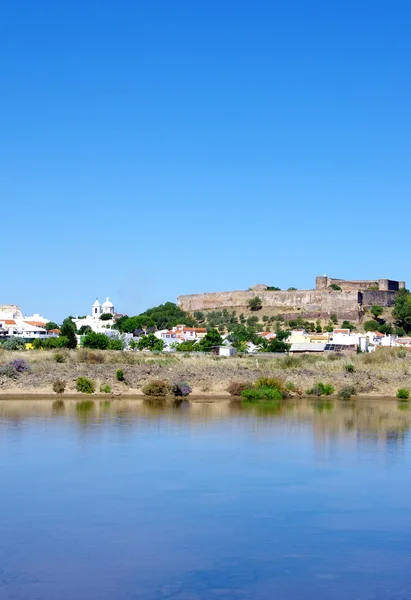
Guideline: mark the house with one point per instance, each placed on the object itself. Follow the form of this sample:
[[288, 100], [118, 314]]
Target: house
[[267, 335], [344, 339], [13, 323], [224, 350]]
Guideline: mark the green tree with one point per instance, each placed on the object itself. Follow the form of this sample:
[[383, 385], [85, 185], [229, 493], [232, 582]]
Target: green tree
[[402, 310], [84, 329], [336, 287], [150, 342], [275, 345], [333, 318], [255, 303], [273, 288], [385, 328], [97, 341], [348, 325], [188, 346], [292, 289], [371, 325], [211, 339], [51, 325], [106, 317], [68, 330], [376, 311]]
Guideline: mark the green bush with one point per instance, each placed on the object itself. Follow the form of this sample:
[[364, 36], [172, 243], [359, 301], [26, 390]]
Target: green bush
[[59, 386], [14, 343], [403, 394], [120, 375], [346, 392], [105, 388], [270, 382], [371, 325], [116, 345], [84, 385], [157, 387], [97, 341], [336, 287], [253, 394], [321, 389], [349, 368]]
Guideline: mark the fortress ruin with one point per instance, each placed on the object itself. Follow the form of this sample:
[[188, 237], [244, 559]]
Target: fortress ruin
[[344, 298]]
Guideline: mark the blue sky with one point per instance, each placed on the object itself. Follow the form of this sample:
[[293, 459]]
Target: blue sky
[[151, 149]]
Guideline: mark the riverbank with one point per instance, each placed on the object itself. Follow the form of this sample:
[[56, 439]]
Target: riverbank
[[378, 374]]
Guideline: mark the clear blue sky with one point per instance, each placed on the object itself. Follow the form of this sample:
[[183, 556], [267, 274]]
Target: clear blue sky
[[151, 149]]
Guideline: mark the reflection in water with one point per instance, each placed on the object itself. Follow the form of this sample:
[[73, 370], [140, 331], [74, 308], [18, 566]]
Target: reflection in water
[[124, 499], [370, 418]]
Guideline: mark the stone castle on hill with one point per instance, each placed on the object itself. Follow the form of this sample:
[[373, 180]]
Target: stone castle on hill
[[345, 298]]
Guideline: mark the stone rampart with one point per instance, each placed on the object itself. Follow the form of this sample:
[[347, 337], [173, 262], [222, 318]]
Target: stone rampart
[[378, 297], [344, 304], [383, 285]]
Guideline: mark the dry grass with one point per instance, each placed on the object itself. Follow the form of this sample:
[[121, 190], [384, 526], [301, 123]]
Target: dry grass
[[380, 373]]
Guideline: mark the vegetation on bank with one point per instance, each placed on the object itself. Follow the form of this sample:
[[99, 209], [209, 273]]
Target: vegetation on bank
[[381, 373]]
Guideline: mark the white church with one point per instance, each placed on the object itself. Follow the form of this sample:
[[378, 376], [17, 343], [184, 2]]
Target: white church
[[94, 321]]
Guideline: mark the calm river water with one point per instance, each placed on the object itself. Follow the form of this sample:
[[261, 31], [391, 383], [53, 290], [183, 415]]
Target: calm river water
[[308, 500]]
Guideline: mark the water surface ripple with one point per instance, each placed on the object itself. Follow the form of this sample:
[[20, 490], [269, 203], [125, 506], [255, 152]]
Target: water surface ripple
[[126, 500]]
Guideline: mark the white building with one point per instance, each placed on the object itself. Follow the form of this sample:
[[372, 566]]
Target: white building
[[13, 323], [94, 320]]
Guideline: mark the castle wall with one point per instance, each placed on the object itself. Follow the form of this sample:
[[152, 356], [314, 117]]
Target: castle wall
[[344, 304], [381, 298], [323, 283]]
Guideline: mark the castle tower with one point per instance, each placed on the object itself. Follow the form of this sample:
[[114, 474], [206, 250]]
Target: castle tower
[[96, 309]]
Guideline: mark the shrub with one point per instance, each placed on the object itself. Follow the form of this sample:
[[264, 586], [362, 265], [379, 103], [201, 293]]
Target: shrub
[[270, 382], [120, 375], [156, 387], [346, 392], [371, 325], [84, 385], [236, 387], [403, 394], [59, 386], [105, 388], [290, 386], [96, 341], [60, 357], [252, 394], [14, 343], [116, 345], [336, 287], [321, 389], [255, 303], [402, 353], [8, 371], [20, 365], [14, 368], [349, 368], [181, 389]]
